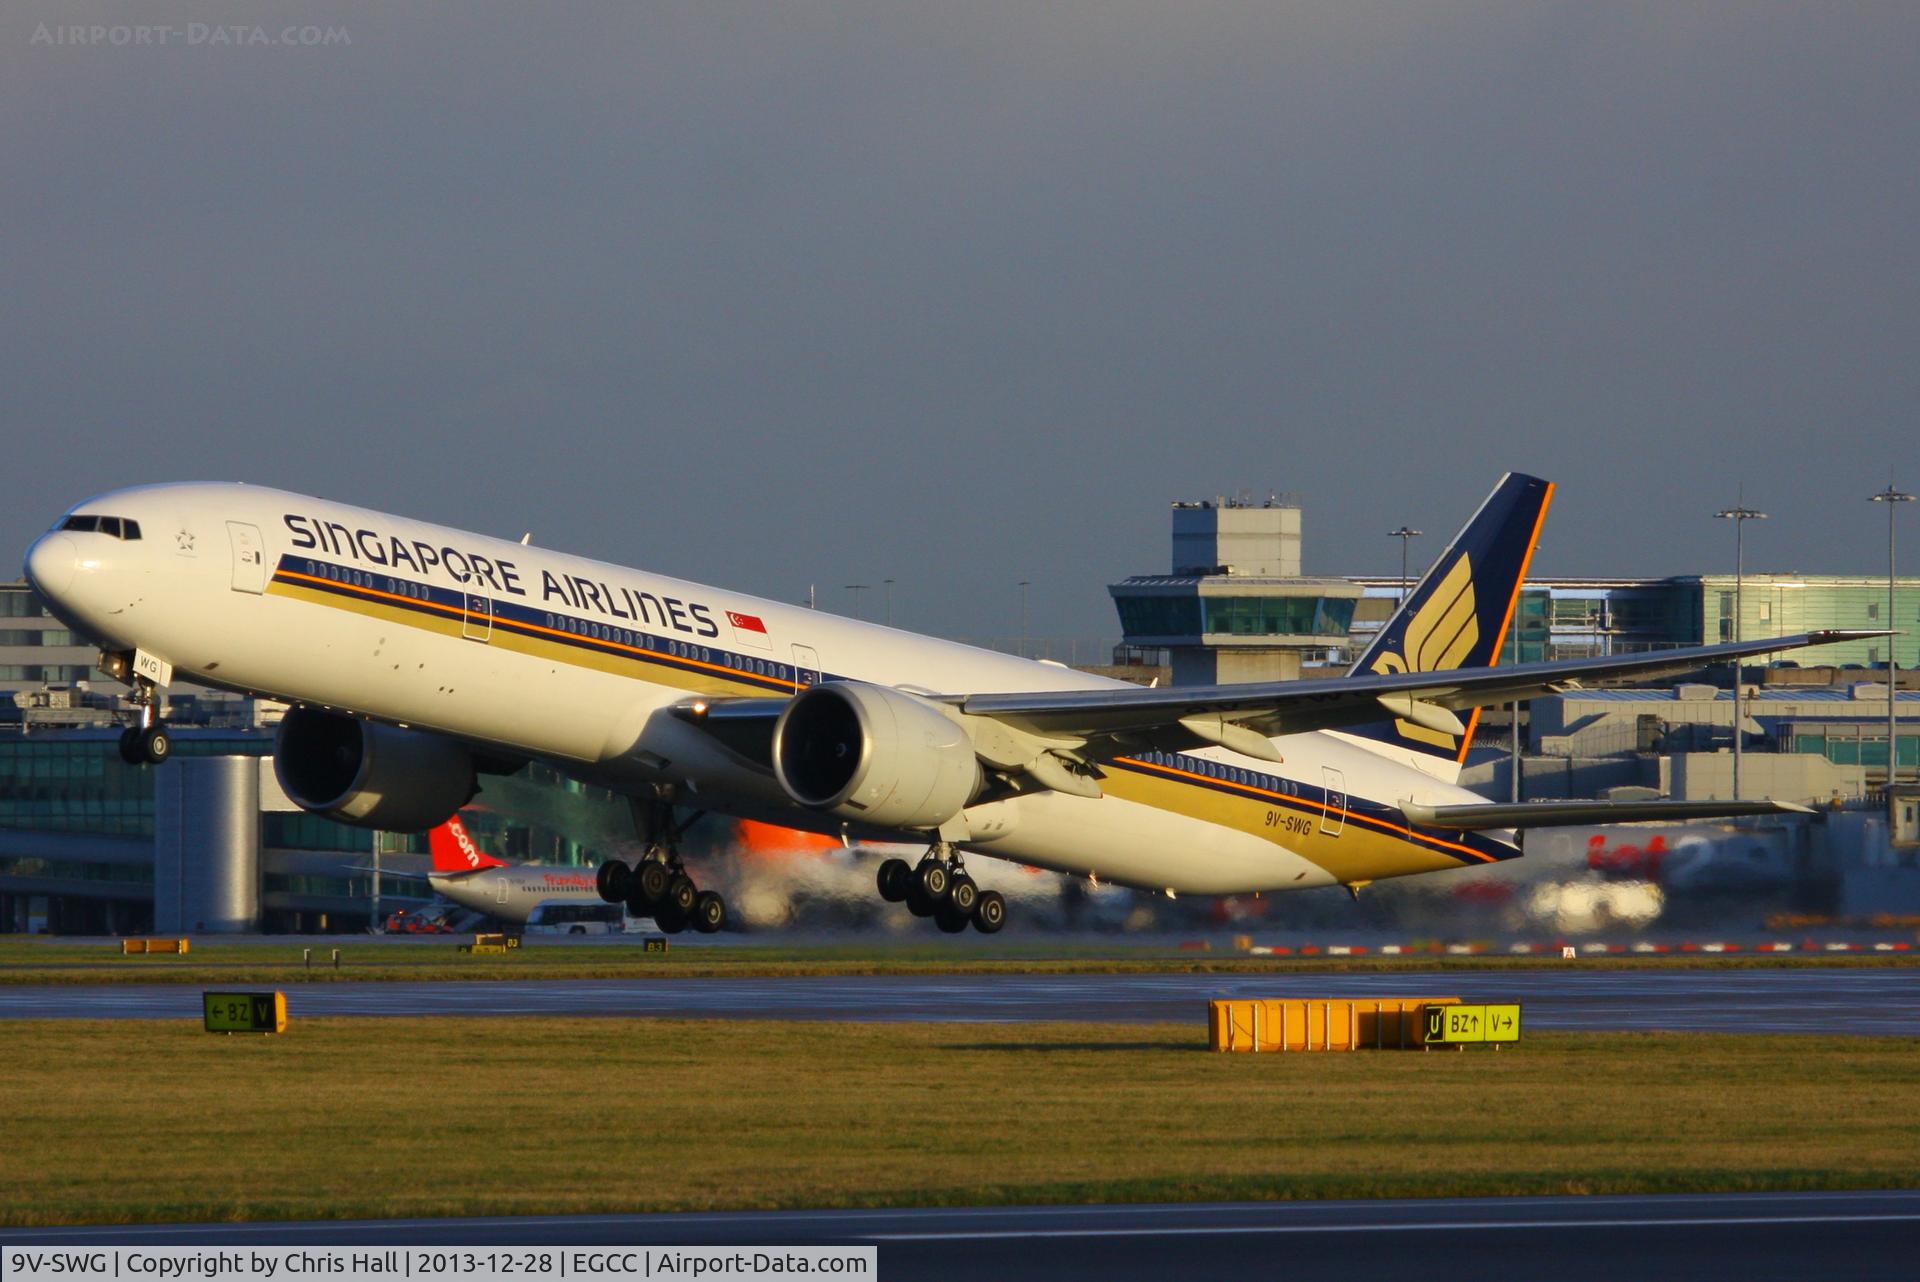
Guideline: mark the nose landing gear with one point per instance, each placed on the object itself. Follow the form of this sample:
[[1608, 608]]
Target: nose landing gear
[[148, 742], [940, 888]]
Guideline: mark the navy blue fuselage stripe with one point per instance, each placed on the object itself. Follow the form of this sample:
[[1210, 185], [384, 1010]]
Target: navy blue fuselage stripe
[[540, 624], [1296, 794]]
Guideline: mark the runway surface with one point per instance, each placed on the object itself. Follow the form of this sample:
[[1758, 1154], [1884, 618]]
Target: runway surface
[[1747, 1236], [1868, 1001]]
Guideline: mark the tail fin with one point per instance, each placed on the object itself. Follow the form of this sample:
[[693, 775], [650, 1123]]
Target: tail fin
[[454, 851], [1457, 616]]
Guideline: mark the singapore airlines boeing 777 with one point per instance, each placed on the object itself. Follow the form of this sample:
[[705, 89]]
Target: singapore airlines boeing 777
[[420, 659]]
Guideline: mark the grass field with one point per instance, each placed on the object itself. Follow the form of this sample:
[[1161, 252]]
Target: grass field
[[38, 960], [111, 1122]]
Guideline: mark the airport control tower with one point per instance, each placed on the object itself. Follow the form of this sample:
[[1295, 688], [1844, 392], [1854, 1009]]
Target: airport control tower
[[1235, 606]]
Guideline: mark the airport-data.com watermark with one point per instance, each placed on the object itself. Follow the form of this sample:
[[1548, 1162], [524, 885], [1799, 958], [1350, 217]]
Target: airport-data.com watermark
[[187, 35]]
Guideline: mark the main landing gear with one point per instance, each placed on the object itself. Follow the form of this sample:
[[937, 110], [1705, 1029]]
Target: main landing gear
[[658, 886], [147, 743], [940, 888]]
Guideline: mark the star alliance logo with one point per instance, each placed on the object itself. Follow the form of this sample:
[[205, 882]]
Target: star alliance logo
[[184, 541]]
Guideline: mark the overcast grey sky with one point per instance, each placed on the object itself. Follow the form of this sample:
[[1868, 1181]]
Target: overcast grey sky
[[963, 294]]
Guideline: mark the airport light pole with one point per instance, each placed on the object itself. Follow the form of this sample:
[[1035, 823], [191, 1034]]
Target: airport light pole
[[1024, 585], [1892, 497], [888, 583], [1739, 516], [856, 589], [1406, 534]]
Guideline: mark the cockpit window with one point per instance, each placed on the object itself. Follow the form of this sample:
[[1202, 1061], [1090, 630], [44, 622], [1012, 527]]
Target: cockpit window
[[118, 527]]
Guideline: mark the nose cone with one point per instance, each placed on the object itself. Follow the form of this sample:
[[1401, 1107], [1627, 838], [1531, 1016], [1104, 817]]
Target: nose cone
[[50, 565]]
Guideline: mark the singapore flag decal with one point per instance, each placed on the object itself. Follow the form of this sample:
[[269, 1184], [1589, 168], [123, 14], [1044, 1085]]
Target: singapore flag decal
[[747, 622]]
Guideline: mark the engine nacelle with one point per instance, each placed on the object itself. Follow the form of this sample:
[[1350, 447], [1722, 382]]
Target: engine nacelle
[[874, 755], [371, 775]]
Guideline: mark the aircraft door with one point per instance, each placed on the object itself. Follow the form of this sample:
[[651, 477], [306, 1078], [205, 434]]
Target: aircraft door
[[501, 889], [476, 617], [1334, 817], [249, 557], [806, 665]]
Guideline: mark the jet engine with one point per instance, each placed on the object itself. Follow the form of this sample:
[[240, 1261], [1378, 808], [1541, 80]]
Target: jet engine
[[371, 775], [874, 755]]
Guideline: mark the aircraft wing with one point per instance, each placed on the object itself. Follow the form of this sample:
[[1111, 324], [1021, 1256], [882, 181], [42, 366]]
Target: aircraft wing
[[1561, 814], [1241, 717], [1083, 727]]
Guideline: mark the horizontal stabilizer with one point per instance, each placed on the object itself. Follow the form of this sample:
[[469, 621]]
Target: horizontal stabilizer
[[1562, 814]]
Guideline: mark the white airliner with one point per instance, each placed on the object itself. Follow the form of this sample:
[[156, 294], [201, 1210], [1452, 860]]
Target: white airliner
[[420, 659], [470, 877]]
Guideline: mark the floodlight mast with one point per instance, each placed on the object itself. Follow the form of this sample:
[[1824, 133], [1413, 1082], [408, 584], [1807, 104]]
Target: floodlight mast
[[1739, 516], [1892, 498]]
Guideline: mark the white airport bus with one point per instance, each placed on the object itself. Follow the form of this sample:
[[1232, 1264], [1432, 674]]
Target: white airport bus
[[557, 917]]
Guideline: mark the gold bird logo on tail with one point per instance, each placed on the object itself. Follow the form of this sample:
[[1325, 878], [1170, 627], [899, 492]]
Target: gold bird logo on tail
[[1439, 637]]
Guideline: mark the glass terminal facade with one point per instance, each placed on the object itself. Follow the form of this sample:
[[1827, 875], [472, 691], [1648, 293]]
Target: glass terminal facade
[[77, 822], [1190, 617]]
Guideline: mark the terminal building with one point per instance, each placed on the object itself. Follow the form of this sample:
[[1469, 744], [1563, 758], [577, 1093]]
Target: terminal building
[[1234, 605], [1581, 618], [208, 843]]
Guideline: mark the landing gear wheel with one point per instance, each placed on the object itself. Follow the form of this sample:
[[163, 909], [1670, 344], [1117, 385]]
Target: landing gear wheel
[[918, 904], [892, 878], [614, 881], [950, 920], [962, 895], [709, 912], [130, 747], [990, 912], [650, 881], [156, 745], [681, 892], [932, 880], [669, 920], [638, 905]]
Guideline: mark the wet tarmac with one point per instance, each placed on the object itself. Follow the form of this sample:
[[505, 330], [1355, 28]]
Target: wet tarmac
[[1837, 1002]]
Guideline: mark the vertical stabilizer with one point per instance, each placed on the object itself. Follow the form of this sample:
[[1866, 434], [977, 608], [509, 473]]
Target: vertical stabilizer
[[454, 851], [1458, 615]]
